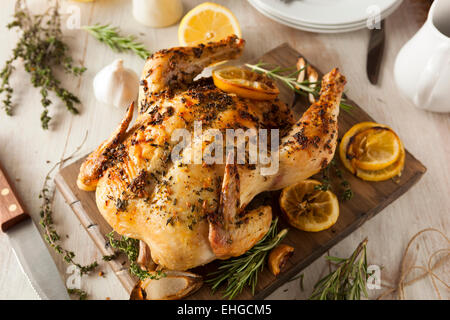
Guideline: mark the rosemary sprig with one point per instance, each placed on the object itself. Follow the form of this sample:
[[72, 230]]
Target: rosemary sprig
[[111, 37], [243, 271], [42, 50], [130, 247], [46, 214], [349, 279], [290, 80]]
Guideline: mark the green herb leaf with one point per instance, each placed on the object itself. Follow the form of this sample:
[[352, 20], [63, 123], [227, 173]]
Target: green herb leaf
[[42, 49], [111, 37], [349, 279], [46, 213], [290, 80], [332, 170], [130, 247], [82, 295]]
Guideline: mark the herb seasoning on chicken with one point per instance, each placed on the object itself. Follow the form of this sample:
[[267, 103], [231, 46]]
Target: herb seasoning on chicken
[[191, 214]]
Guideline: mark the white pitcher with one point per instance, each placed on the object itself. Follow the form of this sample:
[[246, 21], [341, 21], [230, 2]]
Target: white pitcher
[[422, 67]]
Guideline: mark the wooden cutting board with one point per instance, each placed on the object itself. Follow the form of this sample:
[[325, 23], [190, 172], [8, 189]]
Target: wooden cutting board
[[369, 199]]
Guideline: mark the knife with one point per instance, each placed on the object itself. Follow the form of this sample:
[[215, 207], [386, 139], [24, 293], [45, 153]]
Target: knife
[[28, 246], [375, 53]]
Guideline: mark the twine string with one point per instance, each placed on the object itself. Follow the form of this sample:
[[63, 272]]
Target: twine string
[[428, 270]]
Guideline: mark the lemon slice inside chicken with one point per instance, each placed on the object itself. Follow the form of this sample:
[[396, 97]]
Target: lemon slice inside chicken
[[245, 83]]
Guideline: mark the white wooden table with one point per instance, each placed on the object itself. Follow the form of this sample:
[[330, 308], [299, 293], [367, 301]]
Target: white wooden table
[[27, 152]]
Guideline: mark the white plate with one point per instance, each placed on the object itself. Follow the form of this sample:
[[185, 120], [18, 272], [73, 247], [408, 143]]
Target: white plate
[[320, 13], [304, 27], [322, 28], [384, 14]]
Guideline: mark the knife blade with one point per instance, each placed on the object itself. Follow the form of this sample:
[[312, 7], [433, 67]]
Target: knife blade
[[375, 52], [28, 246]]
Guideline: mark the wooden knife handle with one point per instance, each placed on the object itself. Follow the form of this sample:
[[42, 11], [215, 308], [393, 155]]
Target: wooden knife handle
[[11, 211]]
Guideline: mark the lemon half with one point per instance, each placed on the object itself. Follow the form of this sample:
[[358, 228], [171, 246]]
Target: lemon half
[[207, 22]]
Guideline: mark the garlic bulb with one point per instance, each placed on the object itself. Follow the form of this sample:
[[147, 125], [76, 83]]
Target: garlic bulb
[[116, 85]]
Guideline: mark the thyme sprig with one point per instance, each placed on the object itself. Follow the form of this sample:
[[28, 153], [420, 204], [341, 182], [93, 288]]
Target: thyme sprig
[[243, 271], [42, 49], [290, 80], [82, 295], [348, 281], [130, 247], [346, 192], [111, 37], [46, 213]]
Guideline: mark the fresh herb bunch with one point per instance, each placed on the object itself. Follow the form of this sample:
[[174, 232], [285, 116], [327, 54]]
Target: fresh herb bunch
[[348, 281], [130, 247], [243, 271], [111, 37], [290, 80], [42, 50], [46, 214], [346, 192]]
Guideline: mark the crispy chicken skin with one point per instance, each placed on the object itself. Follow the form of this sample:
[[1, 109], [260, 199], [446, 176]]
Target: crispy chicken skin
[[191, 214], [307, 148]]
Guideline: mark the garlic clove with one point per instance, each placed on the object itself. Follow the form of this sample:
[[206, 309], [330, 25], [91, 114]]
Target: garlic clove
[[116, 85]]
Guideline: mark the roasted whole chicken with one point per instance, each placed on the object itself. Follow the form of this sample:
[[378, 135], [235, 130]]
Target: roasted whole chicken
[[192, 213]]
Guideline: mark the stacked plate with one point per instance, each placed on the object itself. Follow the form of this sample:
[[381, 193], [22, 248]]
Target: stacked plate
[[325, 16]]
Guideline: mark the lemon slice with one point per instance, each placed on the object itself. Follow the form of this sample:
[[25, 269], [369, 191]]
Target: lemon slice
[[207, 22], [381, 170], [245, 83], [343, 146], [307, 208], [389, 172], [374, 149]]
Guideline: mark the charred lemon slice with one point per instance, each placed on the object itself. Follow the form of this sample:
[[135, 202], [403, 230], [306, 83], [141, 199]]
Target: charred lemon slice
[[357, 128], [389, 172], [374, 149], [307, 208], [245, 83]]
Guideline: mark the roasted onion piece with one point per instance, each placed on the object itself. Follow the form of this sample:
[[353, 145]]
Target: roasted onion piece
[[175, 285], [145, 258]]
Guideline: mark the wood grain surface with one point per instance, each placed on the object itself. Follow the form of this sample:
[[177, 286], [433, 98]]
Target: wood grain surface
[[27, 152], [369, 199]]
